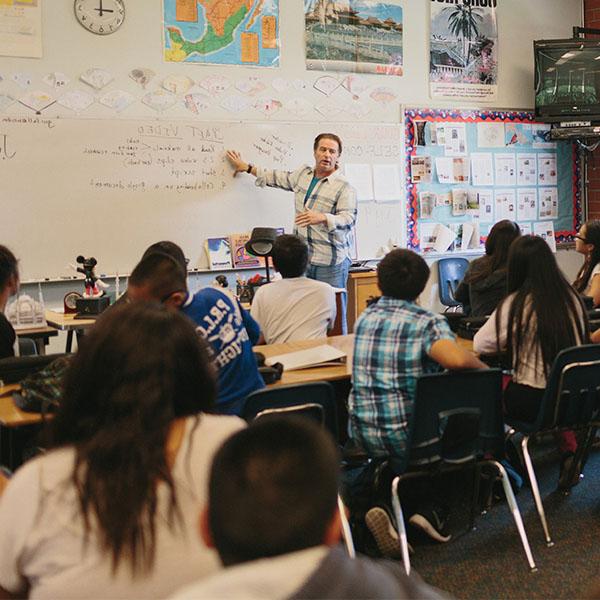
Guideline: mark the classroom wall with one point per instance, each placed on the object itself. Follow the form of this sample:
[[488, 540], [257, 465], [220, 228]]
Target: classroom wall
[[70, 49]]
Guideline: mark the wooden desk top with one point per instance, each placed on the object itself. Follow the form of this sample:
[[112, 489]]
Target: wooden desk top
[[67, 322], [34, 332], [333, 373], [10, 415]]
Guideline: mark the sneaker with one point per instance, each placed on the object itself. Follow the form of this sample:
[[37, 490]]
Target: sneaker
[[432, 522], [564, 482], [380, 525]]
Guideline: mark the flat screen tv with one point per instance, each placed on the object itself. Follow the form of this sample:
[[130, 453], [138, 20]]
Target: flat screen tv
[[567, 80]]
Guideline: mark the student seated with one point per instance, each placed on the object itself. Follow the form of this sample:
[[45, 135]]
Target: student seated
[[587, 242], [229, 330], [9, 285], [109, 511], [484, 284], [396, 341], [295, 307], [272, 516], [541, 316]]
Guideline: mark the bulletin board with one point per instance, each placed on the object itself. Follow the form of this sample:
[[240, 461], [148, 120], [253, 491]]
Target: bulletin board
[[467, 169]]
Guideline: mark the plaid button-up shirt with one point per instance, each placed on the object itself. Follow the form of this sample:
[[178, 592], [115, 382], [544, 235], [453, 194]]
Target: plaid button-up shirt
[[392, 341], [329, 243]]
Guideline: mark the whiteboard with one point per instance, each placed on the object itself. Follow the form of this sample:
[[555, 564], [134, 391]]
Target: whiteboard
[[109, 188]]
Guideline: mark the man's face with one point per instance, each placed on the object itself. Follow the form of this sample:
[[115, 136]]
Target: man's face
[[326, 156]]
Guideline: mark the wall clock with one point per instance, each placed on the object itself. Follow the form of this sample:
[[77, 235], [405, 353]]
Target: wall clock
[[100, 16]]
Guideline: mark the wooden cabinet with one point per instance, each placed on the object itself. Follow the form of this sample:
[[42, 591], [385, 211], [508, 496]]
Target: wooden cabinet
[[361, 286]]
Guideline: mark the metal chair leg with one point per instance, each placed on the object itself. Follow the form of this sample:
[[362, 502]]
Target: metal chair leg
[[346, 531], [535, 490], [516, 513], [400, 524]]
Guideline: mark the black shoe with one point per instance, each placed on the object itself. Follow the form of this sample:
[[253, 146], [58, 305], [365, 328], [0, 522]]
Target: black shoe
[[566, 464], [432, 521]]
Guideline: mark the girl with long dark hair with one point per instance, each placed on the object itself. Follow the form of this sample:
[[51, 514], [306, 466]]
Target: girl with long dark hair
[[541, 316], [484, 284], [111, 510], [587, 242], [9, 285]]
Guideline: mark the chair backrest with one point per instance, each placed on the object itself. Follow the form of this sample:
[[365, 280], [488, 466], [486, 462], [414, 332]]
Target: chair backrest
[[298, 396], [27, 347], [457, 418], [572, 395], [309, 409], [13, 370], [451, 272]]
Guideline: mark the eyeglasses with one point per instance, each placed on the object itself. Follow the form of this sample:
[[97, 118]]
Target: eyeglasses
[[578, 237]]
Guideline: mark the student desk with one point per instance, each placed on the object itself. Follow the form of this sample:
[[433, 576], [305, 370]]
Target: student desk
[[69, 324], [40, 336], [15, 425], [333, 373]]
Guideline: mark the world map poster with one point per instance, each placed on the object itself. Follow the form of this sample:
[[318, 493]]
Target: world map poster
[[222, 32]]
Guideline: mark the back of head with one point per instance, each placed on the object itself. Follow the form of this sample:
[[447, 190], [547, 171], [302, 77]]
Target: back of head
[[169, 248], [290, 255], [273, 489], [139, 368], [532, 266], [8, 267], [402, 274], [161, 274]]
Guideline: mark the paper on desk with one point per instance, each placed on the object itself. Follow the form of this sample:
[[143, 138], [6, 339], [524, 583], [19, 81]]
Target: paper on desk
[[311, 357]]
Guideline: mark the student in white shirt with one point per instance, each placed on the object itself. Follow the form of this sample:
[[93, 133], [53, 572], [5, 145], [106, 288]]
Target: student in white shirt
[[587, 242], [295, 307], [541, 316], [110, 511]]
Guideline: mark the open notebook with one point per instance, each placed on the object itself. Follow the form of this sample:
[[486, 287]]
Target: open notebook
[[319, 356]]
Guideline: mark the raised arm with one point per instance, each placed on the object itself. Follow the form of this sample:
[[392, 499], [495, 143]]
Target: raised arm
[[285, 180], [235, 158], [451, 356]]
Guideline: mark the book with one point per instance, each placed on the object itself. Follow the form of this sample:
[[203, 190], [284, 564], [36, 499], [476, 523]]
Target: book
[[218, 252], [239, 255], [319, 356]]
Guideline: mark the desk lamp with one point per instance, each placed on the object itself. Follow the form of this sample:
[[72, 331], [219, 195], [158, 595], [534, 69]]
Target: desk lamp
[[261, 244]]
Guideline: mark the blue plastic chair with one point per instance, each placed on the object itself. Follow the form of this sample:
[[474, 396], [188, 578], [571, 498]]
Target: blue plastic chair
[[451, 272], [571, 401], [457, 424]]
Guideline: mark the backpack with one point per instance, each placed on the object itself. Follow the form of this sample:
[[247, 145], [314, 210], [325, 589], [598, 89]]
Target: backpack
[[41, 391]]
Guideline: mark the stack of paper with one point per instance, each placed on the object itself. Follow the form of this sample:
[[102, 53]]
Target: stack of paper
[[311, 357]]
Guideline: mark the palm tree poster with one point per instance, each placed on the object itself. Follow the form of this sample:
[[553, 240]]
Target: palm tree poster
[[463, 49], [355, 36]]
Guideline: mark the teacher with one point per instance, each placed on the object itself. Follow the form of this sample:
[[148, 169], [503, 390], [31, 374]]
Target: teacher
[[325, 204]]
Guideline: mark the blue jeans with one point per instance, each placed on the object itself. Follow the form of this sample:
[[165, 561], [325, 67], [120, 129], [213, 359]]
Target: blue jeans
[[336, 276]]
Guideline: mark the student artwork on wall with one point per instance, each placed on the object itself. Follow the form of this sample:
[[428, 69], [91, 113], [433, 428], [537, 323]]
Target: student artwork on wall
[[357, 36], [463, 49], [508, 170]]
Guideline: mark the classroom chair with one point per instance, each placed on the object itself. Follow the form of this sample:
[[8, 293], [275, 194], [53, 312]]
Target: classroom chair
[[309, 400], [457, 424], [27, 347], [15, 369], [451, 272], [302, 397], [571, 402]]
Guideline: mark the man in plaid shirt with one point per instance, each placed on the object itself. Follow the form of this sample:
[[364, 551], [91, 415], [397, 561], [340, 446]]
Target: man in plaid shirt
[[396, 341], [325, 205]]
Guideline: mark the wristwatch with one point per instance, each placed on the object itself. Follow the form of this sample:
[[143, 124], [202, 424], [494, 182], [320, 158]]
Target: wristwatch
[[249, 169]]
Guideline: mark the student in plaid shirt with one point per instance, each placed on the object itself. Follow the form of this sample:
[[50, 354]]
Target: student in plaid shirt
[[396, 341], [325, 204]]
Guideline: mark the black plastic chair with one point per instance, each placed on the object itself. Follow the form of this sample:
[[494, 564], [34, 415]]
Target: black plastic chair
[[451, 272], [15, 369], [457, 424], [299, 397], [315, 401], [571, 402]]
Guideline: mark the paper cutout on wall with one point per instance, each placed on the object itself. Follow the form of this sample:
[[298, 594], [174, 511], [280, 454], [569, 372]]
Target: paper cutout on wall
[[118, 100], [142, 76], [267, 106], [177, 84], [326, 84], [56, 80], [5, 101], [299, 106], [250, 86], [37, 101], [215, 84], [159, 100], [76, 100], [383, 94], [196, 103], [97, 78], [22, 79], [236, 104]]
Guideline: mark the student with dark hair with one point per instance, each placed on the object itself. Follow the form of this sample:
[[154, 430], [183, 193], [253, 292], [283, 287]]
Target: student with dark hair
[[484, 284], [587, 242], [541, 316], [272, 516], [396, 341], [9, 285], [229, 330], [295, 307], [169, 248], [109, 511]]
